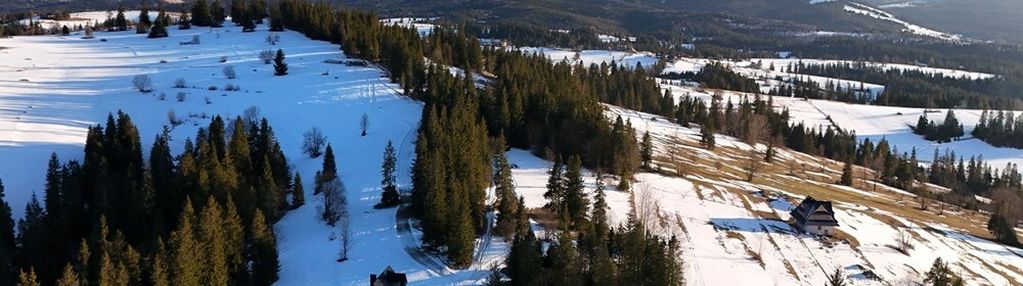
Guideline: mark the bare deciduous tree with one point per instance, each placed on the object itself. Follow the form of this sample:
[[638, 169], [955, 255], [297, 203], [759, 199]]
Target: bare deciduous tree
[[313, 141], [645, 206], [335, 204], [229, 72], [903, 241], [266, 56], [344, 225], [142, 83]]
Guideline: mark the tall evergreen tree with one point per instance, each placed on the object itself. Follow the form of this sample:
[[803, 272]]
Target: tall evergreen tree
[[389, 196], [297, 192], [214, 258], [646, 150], [329, 170], [265, 264], [201, 13], [847, 173], [185, 268], [576, 205], [280, 68], [504, 188], [7, 241]]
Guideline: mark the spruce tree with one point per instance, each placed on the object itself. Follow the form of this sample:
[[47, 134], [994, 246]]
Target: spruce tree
[[524, 265], [158, 270], [234, 240], [185, 269], [562, 265], [7, 242], [52, 193], [576, 205], [214, 253], [159, 29], [265, 264], [329, 170], [389, 197], [217, 14], [120, 22], [707, 134], [837, 278], [201, 13], [28, 278], [504, 187], [646, 152], [280, 68], [184, 21], [69, 277], [144, 17], [297, 192], [555, 187], [847, 173]]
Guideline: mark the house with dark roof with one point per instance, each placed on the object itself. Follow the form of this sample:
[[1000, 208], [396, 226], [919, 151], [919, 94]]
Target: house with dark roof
[[388, 278], [816, 217]]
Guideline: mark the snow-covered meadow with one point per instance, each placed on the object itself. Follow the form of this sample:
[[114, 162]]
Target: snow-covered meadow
[[53, 88]]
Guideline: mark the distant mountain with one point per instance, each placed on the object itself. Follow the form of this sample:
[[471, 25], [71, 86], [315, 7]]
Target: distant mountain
[[999, 20]]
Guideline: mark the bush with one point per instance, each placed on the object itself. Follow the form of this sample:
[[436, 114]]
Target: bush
[[179, 83], [212, 87], [313, 142], [181, 97], [266, 56], [162, 97], [142, 83], [173, 118], [229, 72], [208, 101]]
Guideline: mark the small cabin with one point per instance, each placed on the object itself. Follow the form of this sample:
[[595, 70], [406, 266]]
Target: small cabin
[[388, 278], [815, 217]]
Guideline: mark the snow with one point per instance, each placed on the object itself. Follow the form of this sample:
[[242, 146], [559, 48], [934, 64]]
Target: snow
[[86, 18], [720, 234], [69, 88], [861, 9], [589, 57], [781, 64], [420, 24]]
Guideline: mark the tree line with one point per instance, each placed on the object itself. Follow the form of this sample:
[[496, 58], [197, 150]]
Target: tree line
[[203, 217], [1001, 129], [942, 133]]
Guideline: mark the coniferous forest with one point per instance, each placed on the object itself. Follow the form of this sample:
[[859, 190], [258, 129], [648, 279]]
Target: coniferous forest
[[202, 217]]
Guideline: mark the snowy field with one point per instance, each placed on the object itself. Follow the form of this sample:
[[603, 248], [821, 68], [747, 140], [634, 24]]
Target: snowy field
[[420, 24], [876, 122], [588, 57], [861, 9], [53, 88], [730, 226], [86, 18]]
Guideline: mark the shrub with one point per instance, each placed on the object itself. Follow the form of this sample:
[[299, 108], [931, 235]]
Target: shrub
[[229, 72], [142, 83], [266, 56], [181, 97], [179, 83], [162, 97]]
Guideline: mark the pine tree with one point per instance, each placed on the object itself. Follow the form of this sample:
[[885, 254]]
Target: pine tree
[[504, 187], [837, 278], [214, 251], [185, 270], [69, 277], [576, 205], [265, 264], [525, 258], [329, 170], [646, 150], [234, 241], [847, 173], [158, 270], [120, 22], [201, 13], [280, 68], [159, 29], [562, 265], [144, 17], [707, 134], [52, 197], [28, 278], [7, 242], [297, 192], [217, 14], [389, 197], [555, 187], [184, 21]]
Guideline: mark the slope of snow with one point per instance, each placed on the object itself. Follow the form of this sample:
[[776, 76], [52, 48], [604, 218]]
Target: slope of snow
[[86, 18], [588, 57], [71, 83], [872, 12], [424, 29], [876, 122], [722, 236], [780, 64]]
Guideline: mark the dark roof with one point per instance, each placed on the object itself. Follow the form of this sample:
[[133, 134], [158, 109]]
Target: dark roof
[[814, 212], [389, 278]]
